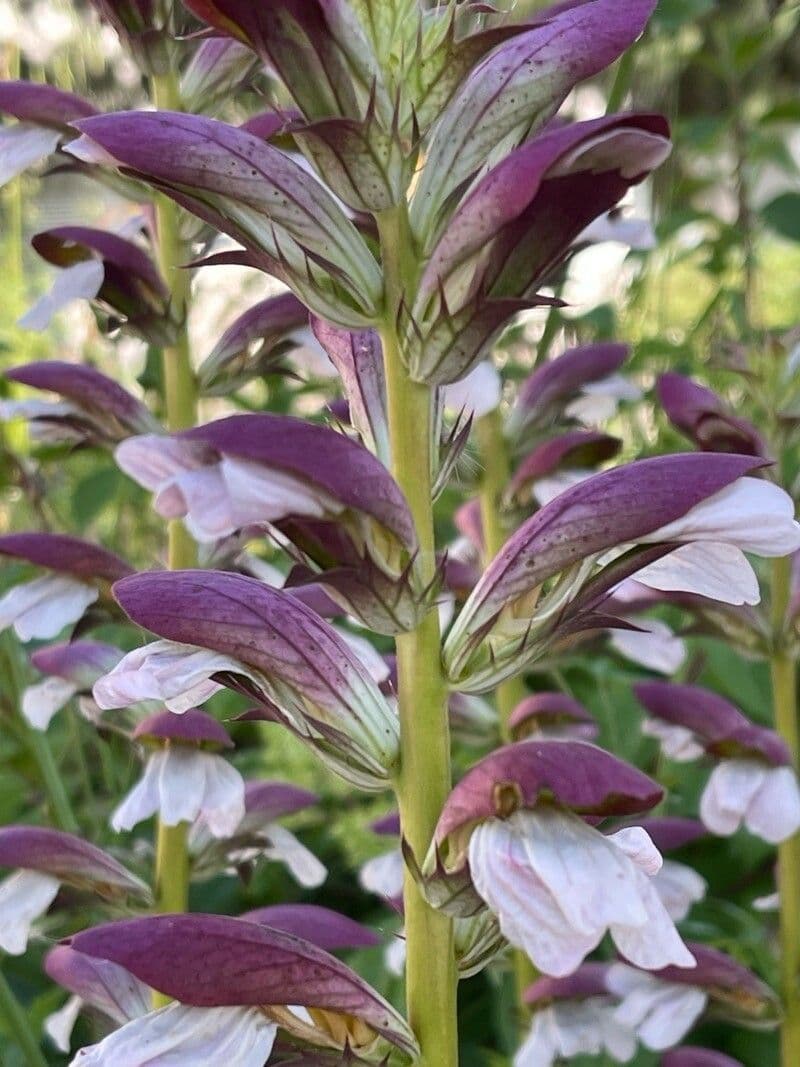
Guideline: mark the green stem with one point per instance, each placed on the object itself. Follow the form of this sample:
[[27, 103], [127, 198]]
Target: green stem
[[180, 398], [784, 695], [496, 473], [18, 1025], [424, 780], [38, 745]]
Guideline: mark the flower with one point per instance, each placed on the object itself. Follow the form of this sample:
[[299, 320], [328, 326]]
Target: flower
[[703, 417], [477, 393], [183, 781], [678, 885], [321, 926], [43, 115], [253, 977], [753, 782], [41, 608], [692, 517], [551, 715], [651, 644], [45, 859], [574, 1016], [259, 834], [513, 827], [70, 668], [268, 644]]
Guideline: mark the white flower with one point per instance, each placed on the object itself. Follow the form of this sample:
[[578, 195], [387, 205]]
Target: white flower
[[47, 419], [383, 875], [180, 783], [177, 675], [599, 400], [40, 702], [21, 146], [186, 1037], [546, 489], [58, 1025], [24, 897], [215, 495], [43, 607], [661, 1013], [573, 1028], [653, 645], [285, 848], [766, 799], [394, 956], [479, 392], [679, 743], [679, 887], [81, 281], [637, 234], [771, 902], [556, 885]]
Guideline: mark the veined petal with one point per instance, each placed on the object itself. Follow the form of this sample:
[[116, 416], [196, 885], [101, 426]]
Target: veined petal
[[152, 459], [261, 494], [661, 1013], [755, 515], [712, 569], [199, 497], [24, 897], [223, 800], [142, 801], [40, 702], [181, 784], [174, 673], [42, 607], [636, 843], [655, 942], [679, 887], [105, 985], [302, 864], [186, 1037]]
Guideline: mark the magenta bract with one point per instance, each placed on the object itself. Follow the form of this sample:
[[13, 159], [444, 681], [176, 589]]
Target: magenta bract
[[192, 727], [321, 926], [67, 555], [703, 417], [42, 105]]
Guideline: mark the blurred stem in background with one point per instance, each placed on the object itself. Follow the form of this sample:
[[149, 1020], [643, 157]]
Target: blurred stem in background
[[784, 695], [17, 1023], [180, 400], [424, 779], [496, 464]]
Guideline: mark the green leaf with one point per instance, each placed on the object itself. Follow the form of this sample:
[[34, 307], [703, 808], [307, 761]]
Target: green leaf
[[783, 215]]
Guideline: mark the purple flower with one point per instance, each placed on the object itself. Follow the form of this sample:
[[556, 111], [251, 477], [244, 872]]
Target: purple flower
[[552, 715], [119, 274], [182, 779], [253, 343], [45, 859], [263, 972], [270, 645], [703, 417], [513, 828], [556, 464], [252, 191], [698, 512], [70, 668], [93, 408], [753, 782], [41, 608], [44, 114], [321, 926]]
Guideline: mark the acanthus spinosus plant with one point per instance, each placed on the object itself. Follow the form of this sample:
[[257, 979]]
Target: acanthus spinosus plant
[[414, 188]]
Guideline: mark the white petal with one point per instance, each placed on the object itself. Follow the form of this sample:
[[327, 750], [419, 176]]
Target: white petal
[[718, 571], [679, 887], [177, 674], [598, 400], [383, 875], [655, 943], [774, 813], [142, 801], [262, 494], [302, 864], [152, 459], [677, 742], [394, 956], [223, 799], [637, 844], [40, 702], [654, 645], [308, 354], [637, 234], [755, 515], [540, 1046], [728, 794], [547, 489], [24, 896], [771, 902], [21, 146], [82, 281], [177, 1036], [181, 783], [528, 915], [663, 1013], [43, 607], [58, 1025], [479, 392]]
